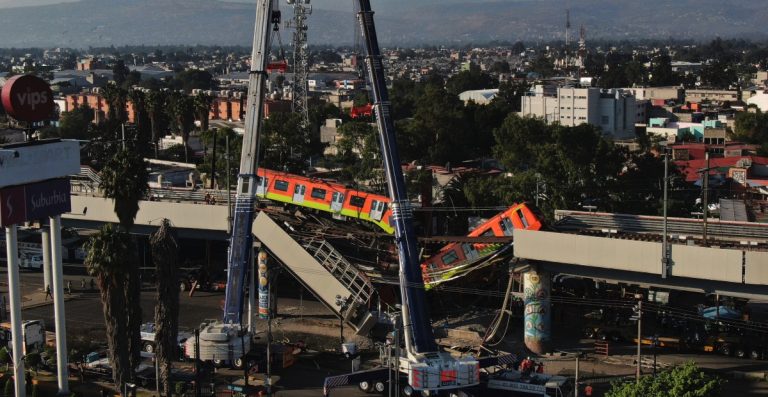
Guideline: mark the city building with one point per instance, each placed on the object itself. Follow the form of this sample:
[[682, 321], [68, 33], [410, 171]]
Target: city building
[[480, 97], [615, 111]]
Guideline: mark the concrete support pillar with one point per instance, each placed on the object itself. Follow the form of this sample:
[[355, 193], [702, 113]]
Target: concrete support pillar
[[537, 318], [46, 241], [252, 294], [58, 306], [265, 305], [14, 296]]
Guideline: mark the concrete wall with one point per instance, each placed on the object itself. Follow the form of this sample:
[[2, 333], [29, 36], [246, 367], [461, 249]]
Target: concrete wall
[[716, 264]]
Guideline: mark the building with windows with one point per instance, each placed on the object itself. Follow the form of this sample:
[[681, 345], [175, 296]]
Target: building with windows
[[615, 111]]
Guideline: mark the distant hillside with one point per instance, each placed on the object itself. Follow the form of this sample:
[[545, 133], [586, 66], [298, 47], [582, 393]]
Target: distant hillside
[[117, 22]]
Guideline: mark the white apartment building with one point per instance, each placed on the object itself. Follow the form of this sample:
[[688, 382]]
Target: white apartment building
[[615, 111]]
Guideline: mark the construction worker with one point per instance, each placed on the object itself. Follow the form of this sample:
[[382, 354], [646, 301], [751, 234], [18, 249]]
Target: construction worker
[[588, 390]]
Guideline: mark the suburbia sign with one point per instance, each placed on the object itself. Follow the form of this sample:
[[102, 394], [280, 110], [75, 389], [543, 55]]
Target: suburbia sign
[[28, 98], [34, 201]]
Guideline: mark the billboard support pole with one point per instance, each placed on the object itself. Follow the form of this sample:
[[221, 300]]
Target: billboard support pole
[[58, 306], [14, 296], [46, 241]]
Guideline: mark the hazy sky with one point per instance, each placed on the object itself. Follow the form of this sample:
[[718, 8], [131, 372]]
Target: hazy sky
[[24, 3]]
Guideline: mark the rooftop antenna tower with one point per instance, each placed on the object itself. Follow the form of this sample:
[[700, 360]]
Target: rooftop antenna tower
[[301, 10], [567, 35], [582, 47]]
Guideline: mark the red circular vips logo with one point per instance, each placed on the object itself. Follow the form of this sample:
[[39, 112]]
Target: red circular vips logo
[[27, 98]]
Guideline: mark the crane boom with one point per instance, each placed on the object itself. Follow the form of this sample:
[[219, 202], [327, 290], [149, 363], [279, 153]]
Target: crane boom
[[241, 238], [416, 322]]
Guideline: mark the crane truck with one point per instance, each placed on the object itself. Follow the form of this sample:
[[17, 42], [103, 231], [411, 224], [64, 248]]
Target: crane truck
[[227, 343], [426, 369]]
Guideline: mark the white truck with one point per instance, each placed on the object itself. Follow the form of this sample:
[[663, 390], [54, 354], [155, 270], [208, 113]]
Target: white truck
[[147, 331], [33, 332]]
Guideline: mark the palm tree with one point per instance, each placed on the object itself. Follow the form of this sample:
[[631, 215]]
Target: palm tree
[[107, 261], [202, 105], [165, 251], [116, 98], [124, 179], [182, 111], [156, 102], [140, 118]]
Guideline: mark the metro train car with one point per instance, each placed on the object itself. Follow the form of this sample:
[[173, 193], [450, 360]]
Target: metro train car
[[518, 216], [325, 196]]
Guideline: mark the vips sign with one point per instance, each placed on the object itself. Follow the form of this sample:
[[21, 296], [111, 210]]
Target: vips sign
[[27, 98], [35, 201], [39, 161]]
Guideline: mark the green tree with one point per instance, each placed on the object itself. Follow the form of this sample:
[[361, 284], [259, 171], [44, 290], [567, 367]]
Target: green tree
[[359, 152], [576, 164], [686, 380], [76, 123], [116, 98], [472, 79], [124, 180], [661, 72], [202, 107], [108, 258], [438, 132], [156, 102], [9, 391], [285, 144], [119, 73], [165, 251], [141, 122], [182, 111], [191, 79]]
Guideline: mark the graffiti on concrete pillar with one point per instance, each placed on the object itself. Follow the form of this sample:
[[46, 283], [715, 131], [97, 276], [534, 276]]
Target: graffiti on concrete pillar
[[537, 311]]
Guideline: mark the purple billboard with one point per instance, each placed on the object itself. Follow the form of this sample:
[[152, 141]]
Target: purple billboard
[[34, 201]]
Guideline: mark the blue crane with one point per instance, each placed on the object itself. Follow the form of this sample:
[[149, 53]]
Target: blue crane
[[241, 239]]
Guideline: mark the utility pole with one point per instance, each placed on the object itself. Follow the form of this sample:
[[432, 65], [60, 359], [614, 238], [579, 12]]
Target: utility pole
[[639, 332], [705, 186], [664, 242], [576, 381]]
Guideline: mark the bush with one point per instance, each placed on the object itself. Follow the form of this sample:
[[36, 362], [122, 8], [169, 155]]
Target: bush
[[5, 357], [9, 390], [32, 360], [180, 388]]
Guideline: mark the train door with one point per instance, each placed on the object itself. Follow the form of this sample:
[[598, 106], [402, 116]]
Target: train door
[[377, 209], [337, 201], [469, 251], [506, 226], [298, 193], [261, 188]]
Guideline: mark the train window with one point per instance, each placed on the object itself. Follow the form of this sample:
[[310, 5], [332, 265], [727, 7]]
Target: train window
[[318, 193], [281, 185], [357, 201], [522, 218], [506, 226], [450, 258]]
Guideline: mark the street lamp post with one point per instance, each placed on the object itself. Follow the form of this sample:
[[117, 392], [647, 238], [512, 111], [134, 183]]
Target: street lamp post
[[664, 242]]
